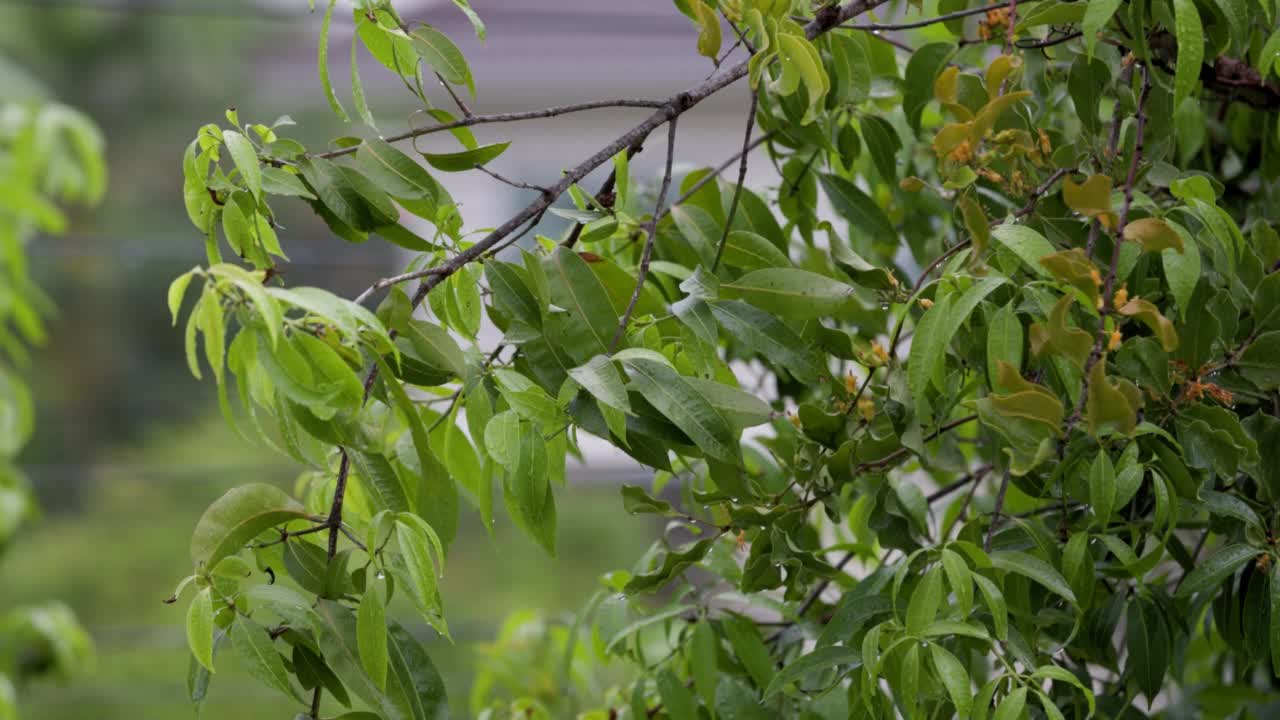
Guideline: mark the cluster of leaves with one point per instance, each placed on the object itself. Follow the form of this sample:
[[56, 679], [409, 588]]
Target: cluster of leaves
[[48, 153], [1002, 517]]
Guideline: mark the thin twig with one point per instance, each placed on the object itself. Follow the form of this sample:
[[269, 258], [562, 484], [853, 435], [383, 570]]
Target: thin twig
[[996, 515], [1047, 42], [930, 21], [1113, 143], [315, 702], [474, 120], [742, 176], [715, 173], [1010, 22], [651, 234], [1040, 192], [513, 183], [466, 111], [902, 451], [954, 485], [387, 282]]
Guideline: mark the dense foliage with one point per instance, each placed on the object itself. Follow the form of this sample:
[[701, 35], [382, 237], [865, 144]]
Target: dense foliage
[[48, 152], [974, 412]]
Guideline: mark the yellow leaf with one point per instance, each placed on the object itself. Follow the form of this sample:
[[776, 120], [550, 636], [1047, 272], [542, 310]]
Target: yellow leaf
[[1091, 198], [1148, 314], [1074, 268], [1154, 234], [1000, 69], [944, 88], [708, 29]]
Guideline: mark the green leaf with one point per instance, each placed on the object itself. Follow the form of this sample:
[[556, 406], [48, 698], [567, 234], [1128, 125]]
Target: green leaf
[[394, 172], [677, 701], [1053, 672], [476, 23], [995, 604], [926, 598], [413, 680], [1034, 568], [1011, 706], [935, 333], [747, 644], [238, 517], [417, 542], [768, 336], [862, 272], [438, 51], [954, 678], [1029, 245], [323, 64], [520, 449], [1149, 646], [1005, 339], [383, 484], [860, 210], [636, 500], [246, 160], [178, 290], [1210, 573], [258, 653], [1274, 630], [336, 631], [1096, 16], [466, 159], [600, 377], [267, 307], [820, 659], [371, 631], [736, 701], [200, 627], [749, 251], [681, 403], [929, 347], [959, 578], [1228, 505], [703, 662], [357, 87], [590, 320], [1182, 269], [1190, 36], [1258, 363], [922, 69], [1102, 489], [790, 293]]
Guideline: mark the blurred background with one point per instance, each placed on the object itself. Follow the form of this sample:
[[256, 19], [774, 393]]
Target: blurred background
[[124, 432]]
